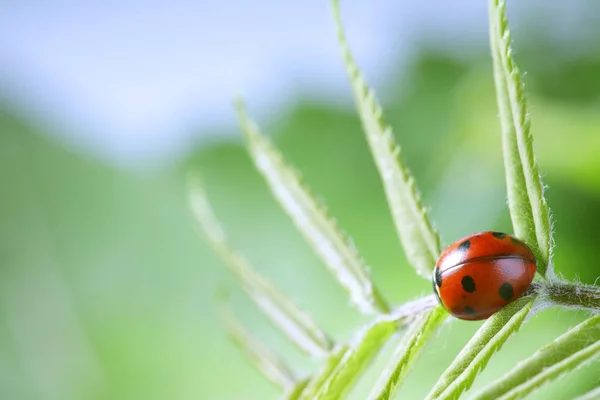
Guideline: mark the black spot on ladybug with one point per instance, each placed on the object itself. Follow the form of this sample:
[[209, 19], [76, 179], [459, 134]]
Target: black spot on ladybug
[[506, 291], [438, 277], [499, 235], [464, 246], [469, 310], [464, 297], [468, 284]]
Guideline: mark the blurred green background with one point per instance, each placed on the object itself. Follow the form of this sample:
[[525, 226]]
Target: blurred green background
[[107, 292]]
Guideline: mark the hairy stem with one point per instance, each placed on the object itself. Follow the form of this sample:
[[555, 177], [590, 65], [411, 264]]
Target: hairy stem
[[573, 295], [410, 310]]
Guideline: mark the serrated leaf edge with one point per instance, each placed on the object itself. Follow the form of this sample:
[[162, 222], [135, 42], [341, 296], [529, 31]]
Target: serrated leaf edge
[[417, 236], [474, 356], [311, 219], [297, 326]]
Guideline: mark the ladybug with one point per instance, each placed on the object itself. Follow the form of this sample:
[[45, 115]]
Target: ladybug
[[479, 274]]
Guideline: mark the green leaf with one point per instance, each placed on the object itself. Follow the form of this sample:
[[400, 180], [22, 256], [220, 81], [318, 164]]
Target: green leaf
[[280, 309], [403, 315], [473, 358], [420, 241], [403, 358], [366, 345], [270, 365], [326, 371], [294, 392], [311, 219], [528, 208], [593, 394], [571, 350]]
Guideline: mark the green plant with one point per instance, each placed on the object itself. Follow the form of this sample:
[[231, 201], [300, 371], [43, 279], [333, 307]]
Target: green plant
[[416, 321]]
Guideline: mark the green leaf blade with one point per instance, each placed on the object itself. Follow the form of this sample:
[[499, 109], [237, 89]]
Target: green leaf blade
[[573, 349], [326, 371], [593, 394], [295, 391], [264, 360], [419, 240], [488, 339], [366, 345], [400, 318], [297, 326], [529, 210], [406, 353], [311, 219]]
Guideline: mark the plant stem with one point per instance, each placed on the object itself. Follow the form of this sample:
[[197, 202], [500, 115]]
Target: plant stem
[[573, 295], [408, 311]]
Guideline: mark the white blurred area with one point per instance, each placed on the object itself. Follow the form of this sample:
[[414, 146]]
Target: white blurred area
[[138, 82]]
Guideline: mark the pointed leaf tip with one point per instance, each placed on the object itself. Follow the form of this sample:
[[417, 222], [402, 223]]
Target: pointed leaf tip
[[528, 207], [417, 236], [311, 219], [298, 327]]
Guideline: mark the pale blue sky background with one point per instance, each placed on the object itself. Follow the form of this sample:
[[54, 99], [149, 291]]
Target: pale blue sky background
[[136, 80]]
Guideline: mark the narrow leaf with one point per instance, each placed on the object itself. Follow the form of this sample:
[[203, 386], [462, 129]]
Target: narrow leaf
[[528, 207], [593, 394], [326, 371], [402, 316], [407, 352], [311, 219], [488, 339], [366, 345], [418, 238], [261, 356], [281, 310], [571, 350], [518, 200]]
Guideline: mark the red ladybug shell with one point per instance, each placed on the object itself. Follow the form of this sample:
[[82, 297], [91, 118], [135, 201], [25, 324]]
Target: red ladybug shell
[[479, 274]]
